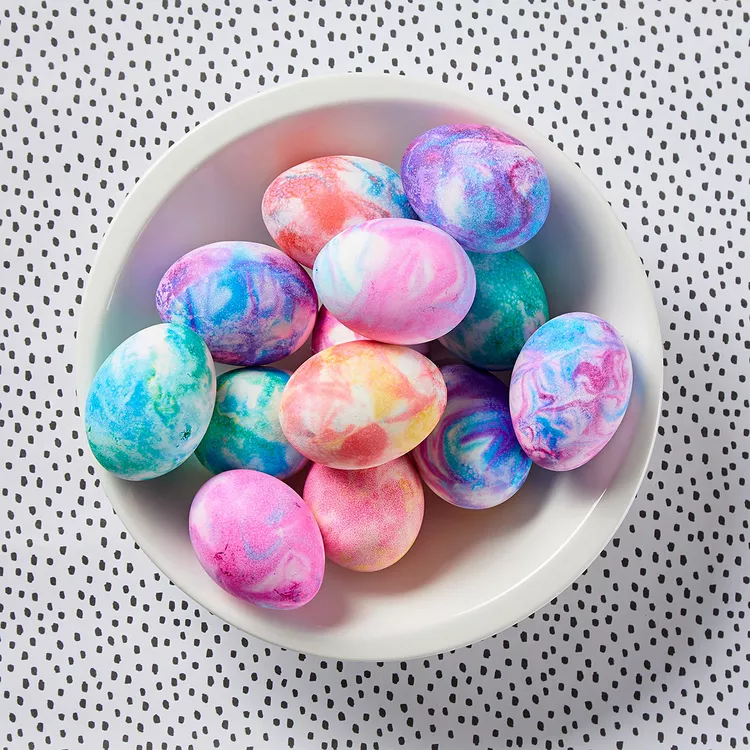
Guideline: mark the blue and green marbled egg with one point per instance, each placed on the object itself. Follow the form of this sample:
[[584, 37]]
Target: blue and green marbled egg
[[510, 304], [150, 403], [245, 432]]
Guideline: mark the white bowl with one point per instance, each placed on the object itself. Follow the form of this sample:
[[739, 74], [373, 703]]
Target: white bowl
[[470, 573]]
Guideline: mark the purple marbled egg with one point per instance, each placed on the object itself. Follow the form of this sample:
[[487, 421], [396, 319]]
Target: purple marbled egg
[[480, 185], [251, 303]]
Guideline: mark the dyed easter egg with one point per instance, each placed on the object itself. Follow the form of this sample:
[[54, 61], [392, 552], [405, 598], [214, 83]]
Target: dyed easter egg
[[369, 518], [257, 539], [569, 390], [472, 458], [395, 280], [482, 186], [150, 402], [361, 404], [250, 303], [328, 332], [510, 304], [309, 204], [245, 432]]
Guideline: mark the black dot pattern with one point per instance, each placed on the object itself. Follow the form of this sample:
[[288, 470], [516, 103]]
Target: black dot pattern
[[649, 648]]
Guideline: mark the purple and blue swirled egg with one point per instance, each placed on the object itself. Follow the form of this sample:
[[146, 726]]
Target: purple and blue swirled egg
[[570, 387], [480, 185], [472, 458], [250, 303]]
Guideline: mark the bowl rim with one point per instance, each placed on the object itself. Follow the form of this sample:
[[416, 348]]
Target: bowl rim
[[187, 155]]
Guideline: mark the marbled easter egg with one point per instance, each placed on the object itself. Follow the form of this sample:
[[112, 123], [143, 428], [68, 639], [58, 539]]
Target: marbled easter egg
[[150, 402], [472, 458], [569, 390], [257, 539], [395, 280], [510, 304], [328, 331], [309, 204], [479, 184], [369, 518], [361, 404], [245, 432], [251, 303]]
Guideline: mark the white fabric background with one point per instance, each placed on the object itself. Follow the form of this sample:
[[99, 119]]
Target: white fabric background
[[649, 648]]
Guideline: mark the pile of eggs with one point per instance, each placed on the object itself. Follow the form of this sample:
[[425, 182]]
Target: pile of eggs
[[397, 263]]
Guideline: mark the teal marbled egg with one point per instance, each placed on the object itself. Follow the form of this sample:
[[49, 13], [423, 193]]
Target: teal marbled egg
[[150, 403], [245, 432], [510, 304]]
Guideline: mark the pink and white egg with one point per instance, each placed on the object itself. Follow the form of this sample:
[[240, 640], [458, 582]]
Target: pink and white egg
[[257, 539], [395, 280]]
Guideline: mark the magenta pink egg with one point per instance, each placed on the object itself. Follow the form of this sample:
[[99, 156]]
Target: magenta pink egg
[[395, 280], [369, 518], [328, 332], [257, 539]]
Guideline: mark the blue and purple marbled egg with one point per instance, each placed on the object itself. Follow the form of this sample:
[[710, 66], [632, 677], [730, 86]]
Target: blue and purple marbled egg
[[480, 185], [569, 391], [251, 303], [150, 402], [472, 458]]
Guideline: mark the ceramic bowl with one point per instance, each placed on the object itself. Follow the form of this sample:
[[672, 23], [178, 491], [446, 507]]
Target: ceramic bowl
[[470, 573]]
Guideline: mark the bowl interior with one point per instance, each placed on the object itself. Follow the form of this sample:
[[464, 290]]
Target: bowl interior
[[470, 573]]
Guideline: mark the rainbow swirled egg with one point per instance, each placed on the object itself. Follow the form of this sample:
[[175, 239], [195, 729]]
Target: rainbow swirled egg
[[251, 303], [150, 403], [479, 184], [569, 390], [361, 404], [257, 539], [509, 306], [395, 280], [369, 518], [245, 432], [309, 204], [472, 458]]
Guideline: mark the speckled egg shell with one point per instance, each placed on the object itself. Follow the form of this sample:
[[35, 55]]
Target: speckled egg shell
[[309, 204], [569, 390], [510, 304], [150, 402], [250, 303], [395, 280], [245, 432], [479, 184], [257, 539], [472, 458], [361, 404], [328, 332], [369, 518]]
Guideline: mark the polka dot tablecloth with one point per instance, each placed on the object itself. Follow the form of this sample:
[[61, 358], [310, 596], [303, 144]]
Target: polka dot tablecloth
[[650, 647]]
